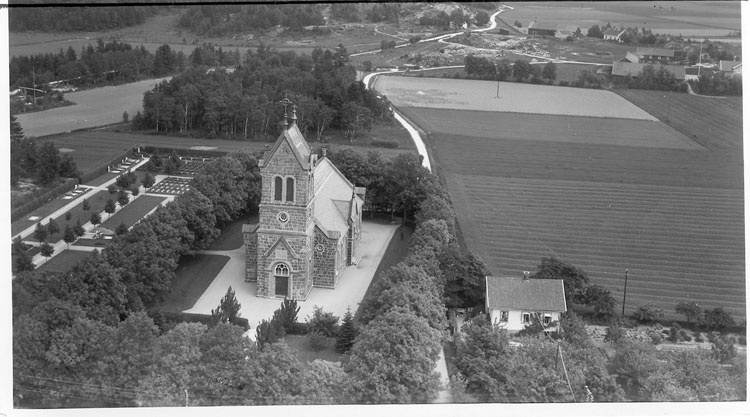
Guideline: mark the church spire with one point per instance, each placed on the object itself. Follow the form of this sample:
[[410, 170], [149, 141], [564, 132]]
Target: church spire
[[285, 123]]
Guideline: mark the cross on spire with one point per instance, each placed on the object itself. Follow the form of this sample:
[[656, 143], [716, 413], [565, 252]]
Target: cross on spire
[[285, 102]]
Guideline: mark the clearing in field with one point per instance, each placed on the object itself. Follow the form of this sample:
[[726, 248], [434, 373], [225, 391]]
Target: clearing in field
[[678, 243], [553, 128], [514, 97]]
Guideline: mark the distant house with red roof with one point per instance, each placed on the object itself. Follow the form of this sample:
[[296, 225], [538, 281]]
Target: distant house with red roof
[[513, 303]]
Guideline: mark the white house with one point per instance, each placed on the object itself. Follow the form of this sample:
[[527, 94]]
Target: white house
[[513, 303]]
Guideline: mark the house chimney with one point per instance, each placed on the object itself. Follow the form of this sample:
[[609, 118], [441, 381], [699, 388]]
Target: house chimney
[[525, 275]]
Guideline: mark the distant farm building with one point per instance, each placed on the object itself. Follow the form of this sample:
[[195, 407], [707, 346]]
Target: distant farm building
[[503, 31], [552, 30], [655, 56], [613, 34], [625, 68], [731, 67]]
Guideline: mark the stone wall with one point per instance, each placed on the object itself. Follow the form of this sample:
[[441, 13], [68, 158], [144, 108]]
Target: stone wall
[[324, 263], [251, 256]]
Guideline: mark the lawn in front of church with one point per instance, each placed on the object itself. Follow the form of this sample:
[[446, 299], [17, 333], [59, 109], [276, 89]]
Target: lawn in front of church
[[194, 274]]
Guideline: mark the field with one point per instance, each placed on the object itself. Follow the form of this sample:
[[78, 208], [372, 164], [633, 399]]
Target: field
[[95, 107], [604, 194], [63, 261], [41, 212], [97, 202], [514, 97], [688, 18], [535, 127], [715, 123], [132, 212], [194, 274]]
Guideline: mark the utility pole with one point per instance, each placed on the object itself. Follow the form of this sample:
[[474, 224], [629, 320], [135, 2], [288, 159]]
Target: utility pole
[[625, 292], [186, 398], [497, 95], [33, 80]]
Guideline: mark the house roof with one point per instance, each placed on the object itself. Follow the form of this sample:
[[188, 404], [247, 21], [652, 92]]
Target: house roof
[[614, 32], [655, 52], [729, 65], [624, 69], [334, 198], [293, 137], [504, 293], [543, 26]]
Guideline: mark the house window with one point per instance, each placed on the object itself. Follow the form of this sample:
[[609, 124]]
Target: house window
[[526, 318], [547, 319], [281, 270], [504, 316], [290, 189], [278, 183]]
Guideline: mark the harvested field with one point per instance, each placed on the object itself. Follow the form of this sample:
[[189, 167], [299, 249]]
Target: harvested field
[[514, 97], [678, 243], [133, 211], [95, 107], [554, 128], [714, 122], [673, 216]]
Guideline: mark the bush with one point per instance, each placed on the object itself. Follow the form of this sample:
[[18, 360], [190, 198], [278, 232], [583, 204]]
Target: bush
[[742, 340], [648, 313], [674, 337], [288, 316], [393, 144], [614, 334], [656, 338], [684, 336], [699, 338], [316, 341], [323, 322]]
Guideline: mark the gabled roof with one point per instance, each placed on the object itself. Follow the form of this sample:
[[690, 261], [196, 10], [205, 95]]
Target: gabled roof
[[504, 293], [614, 32], [655, 52], [297, 143], [543, 26], [729, 65], [333, 197]]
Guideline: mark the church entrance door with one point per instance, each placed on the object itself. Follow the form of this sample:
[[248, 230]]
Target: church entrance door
[[282, 286]]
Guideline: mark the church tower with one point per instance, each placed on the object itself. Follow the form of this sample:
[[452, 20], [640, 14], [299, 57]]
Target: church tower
[[279, 248]]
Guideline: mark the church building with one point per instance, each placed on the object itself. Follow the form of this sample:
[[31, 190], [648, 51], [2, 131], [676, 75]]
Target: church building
[[309, 222]]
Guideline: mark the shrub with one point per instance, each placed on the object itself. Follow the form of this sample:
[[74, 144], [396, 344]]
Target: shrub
[[656, 338], [742, 340], [684, 336], [387, 143], [614, 334], [316, 341], [323, 322], [112, 188], [674, 337], [648, 313], [699, 338], [288, 316]]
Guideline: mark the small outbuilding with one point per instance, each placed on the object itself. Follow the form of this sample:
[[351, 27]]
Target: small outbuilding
[[513, 303]]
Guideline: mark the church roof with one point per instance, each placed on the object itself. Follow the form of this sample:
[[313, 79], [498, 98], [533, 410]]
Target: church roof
[[333, 197], [297, 143]]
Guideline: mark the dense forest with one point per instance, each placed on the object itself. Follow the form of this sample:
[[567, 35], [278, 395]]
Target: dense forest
[[242, 103], [219, 20], [71, 19], [107, 61]]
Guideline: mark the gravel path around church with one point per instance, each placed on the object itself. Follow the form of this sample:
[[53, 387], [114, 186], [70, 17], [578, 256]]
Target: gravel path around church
[[348, 293]]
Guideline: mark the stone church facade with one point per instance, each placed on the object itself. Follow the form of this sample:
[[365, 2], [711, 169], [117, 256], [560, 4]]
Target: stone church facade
[[309, 225]]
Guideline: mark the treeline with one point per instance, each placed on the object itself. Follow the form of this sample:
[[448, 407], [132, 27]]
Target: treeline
[[521, 70], [650, 78], [244, 103], [69, 325], [457, 18], [43, 164], [717, 84], [219, 20], [107, 61], [71, 19]]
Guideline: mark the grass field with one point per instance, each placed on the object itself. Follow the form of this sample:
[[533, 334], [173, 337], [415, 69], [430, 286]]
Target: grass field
[[63, 261], [95, 107], [231, 235], [716, 123], [554, 128], [194, 274], [41, 212], [514, 97], [524, 190], [132, 212]]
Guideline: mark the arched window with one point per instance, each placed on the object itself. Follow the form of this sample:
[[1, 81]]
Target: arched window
[[281, 270], [278, 184], [290, 189]]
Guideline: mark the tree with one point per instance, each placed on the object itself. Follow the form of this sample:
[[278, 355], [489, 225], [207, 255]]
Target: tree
[[691, 310], [521, 70], [148, 180], [595, 32], [96, 218], [112, 188], [86, 205], [325, 323], [347, 333], [550, 71], [123, 198], [228, 310], [48, 163], [601, 300], [68, 216], [648, 313], [574, 279], [481, 18], [109, 207], [47, 250], [78, 229], [121, 229], [614, 334], [717, 319], [40, 233], [69, 236], [52, 227], [16, 132], [125, 117], [367, 65]]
